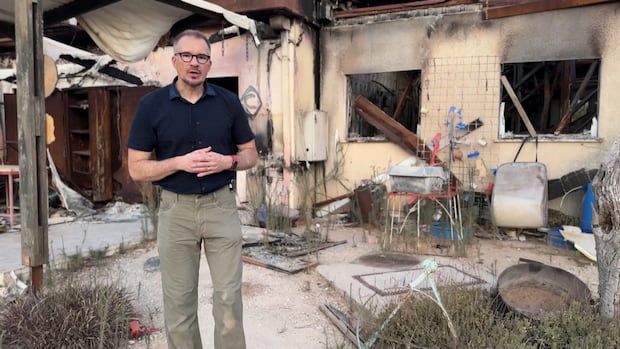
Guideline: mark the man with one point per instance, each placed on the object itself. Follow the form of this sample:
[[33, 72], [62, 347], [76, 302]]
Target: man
[[189, 138]]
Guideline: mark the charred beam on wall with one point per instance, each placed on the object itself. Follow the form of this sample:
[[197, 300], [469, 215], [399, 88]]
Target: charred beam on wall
[[534, 6], [108, 70], [415, 5]]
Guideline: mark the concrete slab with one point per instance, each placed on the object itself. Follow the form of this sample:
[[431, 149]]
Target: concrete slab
[[375, 287], [83, 236], [67, 238]]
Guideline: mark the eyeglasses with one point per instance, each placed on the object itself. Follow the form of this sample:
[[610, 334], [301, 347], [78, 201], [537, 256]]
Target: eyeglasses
[[187, 57]]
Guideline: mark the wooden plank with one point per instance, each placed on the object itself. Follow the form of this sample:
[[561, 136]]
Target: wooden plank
[[529, 74], [330, 200], [571, 108], [340, 324], [522, 8], [517, 104], [10, 124], [565, 79], [31, 133], [392, 129], [401, 102], [253, 261], [100, 128], [549, 89], [314, 249], [585, 99]]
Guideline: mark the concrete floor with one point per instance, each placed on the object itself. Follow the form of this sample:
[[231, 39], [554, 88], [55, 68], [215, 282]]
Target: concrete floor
[[361, 282], [70, 238]]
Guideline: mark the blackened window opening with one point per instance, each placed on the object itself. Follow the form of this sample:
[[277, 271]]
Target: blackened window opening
[[550, 92], [386, 91]]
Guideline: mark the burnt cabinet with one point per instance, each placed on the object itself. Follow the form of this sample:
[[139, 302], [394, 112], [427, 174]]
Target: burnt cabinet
[[91, 129]]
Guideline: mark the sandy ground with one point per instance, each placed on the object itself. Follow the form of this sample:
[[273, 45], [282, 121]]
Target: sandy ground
[[281, 311]]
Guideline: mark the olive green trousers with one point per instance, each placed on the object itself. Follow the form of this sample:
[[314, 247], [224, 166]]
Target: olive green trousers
[[187, 222]]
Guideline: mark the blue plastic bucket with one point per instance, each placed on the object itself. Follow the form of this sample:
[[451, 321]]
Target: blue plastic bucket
[[586, 209], [441, 230]]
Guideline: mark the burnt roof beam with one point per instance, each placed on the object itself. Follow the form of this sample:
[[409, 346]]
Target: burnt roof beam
[[59, 14], [108, 70], [7, 30], [533, 6], [194, 9], [72, 9]]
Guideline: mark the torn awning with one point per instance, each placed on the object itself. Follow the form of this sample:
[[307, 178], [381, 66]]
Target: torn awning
[[129, 30]]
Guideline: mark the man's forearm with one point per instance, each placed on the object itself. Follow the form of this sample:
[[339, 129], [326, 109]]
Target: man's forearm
[[149, 170], [246, 159]]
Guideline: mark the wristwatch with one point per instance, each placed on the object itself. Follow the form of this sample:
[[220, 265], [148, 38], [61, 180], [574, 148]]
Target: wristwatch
[[233, 166]]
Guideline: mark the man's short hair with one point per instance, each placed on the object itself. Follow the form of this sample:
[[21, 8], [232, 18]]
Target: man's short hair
[[190, 32]]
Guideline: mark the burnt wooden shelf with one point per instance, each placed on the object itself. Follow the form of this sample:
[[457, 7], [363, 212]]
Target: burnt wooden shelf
[[81, 172], [81, 152]]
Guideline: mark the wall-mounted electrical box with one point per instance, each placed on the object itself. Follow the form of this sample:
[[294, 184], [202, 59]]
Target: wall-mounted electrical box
[[313, 142]]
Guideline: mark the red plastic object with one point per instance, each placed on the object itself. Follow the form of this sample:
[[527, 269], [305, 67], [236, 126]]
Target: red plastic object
[[436, 141], [136, 330]]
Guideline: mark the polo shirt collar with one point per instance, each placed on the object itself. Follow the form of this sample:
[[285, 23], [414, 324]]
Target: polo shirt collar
[[173, 92]]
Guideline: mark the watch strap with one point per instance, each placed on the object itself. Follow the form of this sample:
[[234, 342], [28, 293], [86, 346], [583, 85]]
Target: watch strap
[[235, 162]]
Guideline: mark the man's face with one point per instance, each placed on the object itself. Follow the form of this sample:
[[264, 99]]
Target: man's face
[[194, 71]]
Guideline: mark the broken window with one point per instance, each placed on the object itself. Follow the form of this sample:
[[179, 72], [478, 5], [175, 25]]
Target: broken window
[[558, 98], [396, 93]]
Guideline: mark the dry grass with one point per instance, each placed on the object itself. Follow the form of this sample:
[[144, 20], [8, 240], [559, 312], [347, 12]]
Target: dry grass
[[482, 322], [68, 315]]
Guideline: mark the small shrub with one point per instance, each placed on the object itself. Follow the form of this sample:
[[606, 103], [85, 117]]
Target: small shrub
[[75, 262], [69, 316], [122, 249], [482, 321], [98, 254]]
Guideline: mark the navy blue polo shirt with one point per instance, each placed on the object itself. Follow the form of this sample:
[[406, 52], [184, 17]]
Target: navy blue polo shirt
[[170, 126]]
